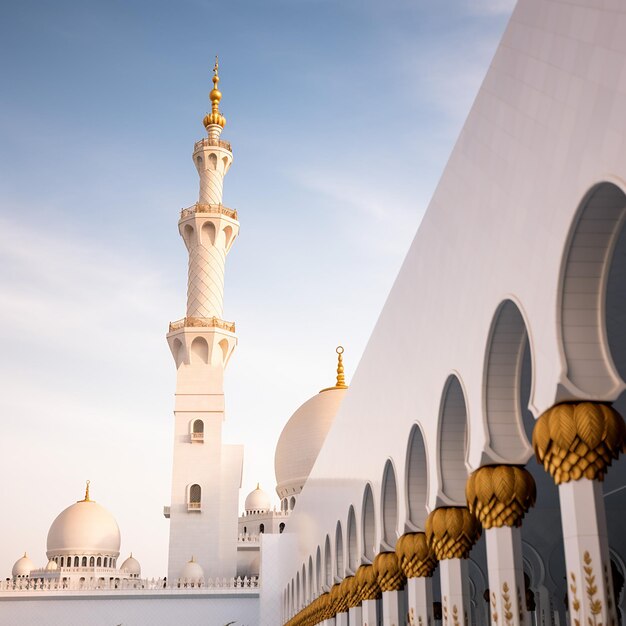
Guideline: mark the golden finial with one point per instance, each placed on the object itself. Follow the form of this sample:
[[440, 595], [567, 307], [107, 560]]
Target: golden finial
[[257, 486], [341, 379], [215, 117], [86, 498]]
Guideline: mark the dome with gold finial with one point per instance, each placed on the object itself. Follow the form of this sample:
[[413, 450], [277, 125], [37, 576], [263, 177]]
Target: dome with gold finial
[[215, 117], [304, 434], [84, 528]]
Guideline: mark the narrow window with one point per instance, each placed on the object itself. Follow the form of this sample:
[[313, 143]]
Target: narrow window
[[261, 528], [281, 527]]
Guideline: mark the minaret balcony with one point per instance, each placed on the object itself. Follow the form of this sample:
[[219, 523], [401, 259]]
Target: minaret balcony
[[211, 209], [202, 322], [198, 437], [210, 141], [194, 506]]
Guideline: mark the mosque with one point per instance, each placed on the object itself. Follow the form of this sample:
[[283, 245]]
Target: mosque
[[471, 474]]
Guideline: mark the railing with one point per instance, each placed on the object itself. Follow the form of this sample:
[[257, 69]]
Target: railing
[[208, 208], [129, 584], [194, 506], [197, 436], [202, 322], [209, 141]]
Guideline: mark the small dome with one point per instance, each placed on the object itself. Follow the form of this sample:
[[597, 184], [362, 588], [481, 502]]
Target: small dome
[[192, 571], [257, 501], [84, 528], [23, 566], [51, 566], [302, 438], [131, 566]]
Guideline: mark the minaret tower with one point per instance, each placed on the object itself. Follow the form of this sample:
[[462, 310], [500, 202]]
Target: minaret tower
[[206, 474]]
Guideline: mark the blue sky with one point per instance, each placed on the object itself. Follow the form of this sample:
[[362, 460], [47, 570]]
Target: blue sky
[[341, 116]]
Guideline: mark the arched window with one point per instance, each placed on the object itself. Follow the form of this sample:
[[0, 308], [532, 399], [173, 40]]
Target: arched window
[[281, 527], [195, 497], [106, 561], [197, 431], [99, 562], [261, 528], [84, 562], [92, 561], [292, 503], [245, 530], [76, 561]]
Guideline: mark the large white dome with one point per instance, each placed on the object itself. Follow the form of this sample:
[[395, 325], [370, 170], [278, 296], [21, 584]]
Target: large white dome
[[84, 528], [302, 439]]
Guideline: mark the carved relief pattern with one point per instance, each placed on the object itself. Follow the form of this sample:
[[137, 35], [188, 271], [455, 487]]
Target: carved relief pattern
[[507, 605]]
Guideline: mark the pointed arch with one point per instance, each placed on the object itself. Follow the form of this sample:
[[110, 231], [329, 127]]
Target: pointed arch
[[353, 554], [504, 358], [453, 441], [199, 350], [416, 478], [389, 506], [208, 233], [339, 566], [368, 525], [587, 302], [318, 571], [311, 588], [328, 564]]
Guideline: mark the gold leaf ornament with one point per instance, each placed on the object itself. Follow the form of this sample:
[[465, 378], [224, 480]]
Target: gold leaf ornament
[[415, 556], [387, 569], [451, 532], [576, 440], [500, 495]]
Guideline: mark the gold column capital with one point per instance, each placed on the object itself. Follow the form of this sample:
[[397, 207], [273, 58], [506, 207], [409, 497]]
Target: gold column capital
[[335, 600], [390, 576], [451, 532], [577, 440], [500, 495], [367, 583], [415, 557]]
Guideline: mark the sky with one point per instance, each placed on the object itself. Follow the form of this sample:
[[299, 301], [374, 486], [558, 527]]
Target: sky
[[341, 114]]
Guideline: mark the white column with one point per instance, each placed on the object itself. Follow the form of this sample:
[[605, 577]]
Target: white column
[[420, 600], [368, 613], [506, 576], [391, 609], [455, 603], [355, 617], [341, 619], [589, 582]]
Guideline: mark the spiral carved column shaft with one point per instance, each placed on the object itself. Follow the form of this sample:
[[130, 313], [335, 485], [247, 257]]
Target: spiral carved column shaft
[[576, 443], [499, 496], [451, 533], [205, 287]]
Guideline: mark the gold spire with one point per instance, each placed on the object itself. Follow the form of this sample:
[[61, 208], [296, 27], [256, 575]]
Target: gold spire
[[215, 117], [86, 498], [257, 486], [341, 379]]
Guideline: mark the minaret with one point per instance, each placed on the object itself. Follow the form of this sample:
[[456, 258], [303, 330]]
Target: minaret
[[206, 475]]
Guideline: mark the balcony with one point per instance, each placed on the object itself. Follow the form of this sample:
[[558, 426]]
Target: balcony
[[214, 209], [202, 322], [209, 141], [166, 512], [194, 506], [199, 437]]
